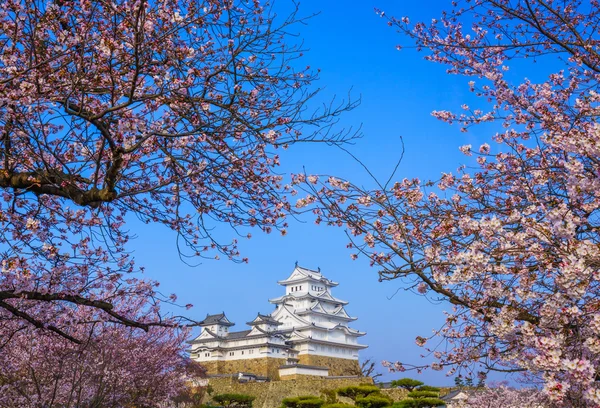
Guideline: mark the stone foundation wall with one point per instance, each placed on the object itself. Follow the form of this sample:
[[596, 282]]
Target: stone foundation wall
[[396, 394], [270, 394], [337, 366], [266, 366], [298, 377]]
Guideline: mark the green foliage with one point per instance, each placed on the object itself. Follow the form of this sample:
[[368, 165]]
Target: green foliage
[[407, 383], [374, 401], [338, 405], [330, 396], [423, 394], [234, 400], [311, 403], [419, 403], [358, 391], [428, 388], [305, 401]]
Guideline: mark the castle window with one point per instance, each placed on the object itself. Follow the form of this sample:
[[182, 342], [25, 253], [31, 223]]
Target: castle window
[[206, 354], [242, 352], [231, 353]]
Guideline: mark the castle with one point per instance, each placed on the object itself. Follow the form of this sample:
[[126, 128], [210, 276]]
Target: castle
[[306, 335]]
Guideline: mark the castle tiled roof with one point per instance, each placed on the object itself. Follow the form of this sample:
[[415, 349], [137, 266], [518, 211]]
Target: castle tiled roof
[[238, 334], [301, 274], [263, 319], [324, 296], [220, 319]]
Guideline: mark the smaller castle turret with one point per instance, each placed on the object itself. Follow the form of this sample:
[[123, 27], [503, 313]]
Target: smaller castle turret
[[218, 324]]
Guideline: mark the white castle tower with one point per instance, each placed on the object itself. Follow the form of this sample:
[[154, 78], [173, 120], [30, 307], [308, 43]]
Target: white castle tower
[[316, 322], [306, 334]]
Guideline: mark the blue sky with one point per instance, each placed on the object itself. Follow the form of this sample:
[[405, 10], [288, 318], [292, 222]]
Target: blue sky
[[355, 49]]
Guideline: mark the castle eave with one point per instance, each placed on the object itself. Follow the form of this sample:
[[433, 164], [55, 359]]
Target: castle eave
[[330, 343], [284, 347], [311, 312], [328, 299]]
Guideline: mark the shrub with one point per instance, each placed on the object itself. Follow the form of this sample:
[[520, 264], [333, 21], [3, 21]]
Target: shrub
[[338, 405], [419, 403], [358, 391], [428, 388], [407, 383], [374, 401], [305, 401], [234, 400], [423, 394], [311, 403]]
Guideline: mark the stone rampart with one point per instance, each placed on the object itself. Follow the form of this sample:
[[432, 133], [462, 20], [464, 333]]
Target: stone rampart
[[265, 366], [270, 394], [337, 366]]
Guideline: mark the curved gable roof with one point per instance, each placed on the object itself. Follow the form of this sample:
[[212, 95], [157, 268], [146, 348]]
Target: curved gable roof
[[300, 274], [219, 319]]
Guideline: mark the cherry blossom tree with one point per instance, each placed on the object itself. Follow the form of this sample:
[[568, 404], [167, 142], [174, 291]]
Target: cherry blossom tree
[[512, 244], [169, 111], [118, 366], [501, 395]]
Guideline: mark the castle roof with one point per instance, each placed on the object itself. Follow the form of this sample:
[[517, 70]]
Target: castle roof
[[323, 327], [328, 343], [301, 274], [236, 336], [317, 308], [219, 319], [323, 296], [242, 347], [263, 319]]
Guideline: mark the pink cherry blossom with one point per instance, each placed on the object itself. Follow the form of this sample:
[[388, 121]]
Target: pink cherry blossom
[[514, 245], [171, 112]]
